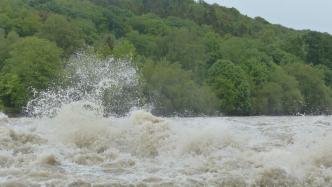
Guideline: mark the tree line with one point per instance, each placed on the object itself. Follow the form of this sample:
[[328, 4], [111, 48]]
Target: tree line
[[195, 58]]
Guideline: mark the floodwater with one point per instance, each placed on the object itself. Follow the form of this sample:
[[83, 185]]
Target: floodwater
[[68, 141], [77, 148]]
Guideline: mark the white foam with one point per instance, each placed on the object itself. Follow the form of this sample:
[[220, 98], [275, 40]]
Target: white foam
[[3, 118], [74, 143], [144, 149]]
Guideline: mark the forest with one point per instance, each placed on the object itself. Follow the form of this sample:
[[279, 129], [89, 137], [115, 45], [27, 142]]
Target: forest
[[193, 58]]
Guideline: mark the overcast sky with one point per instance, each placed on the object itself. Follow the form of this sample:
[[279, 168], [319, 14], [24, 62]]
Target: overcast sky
[[298, 14]]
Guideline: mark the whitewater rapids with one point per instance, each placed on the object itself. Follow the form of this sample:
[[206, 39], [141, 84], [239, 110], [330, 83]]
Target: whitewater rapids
[[71, 140], [76, 148]]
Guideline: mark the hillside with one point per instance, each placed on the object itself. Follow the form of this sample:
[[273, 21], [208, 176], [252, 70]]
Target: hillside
[[193, 58]]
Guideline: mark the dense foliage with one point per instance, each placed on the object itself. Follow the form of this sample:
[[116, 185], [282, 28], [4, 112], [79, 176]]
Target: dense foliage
[[194, 58]]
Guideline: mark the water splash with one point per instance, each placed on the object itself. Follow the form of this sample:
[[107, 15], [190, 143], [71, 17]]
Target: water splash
[[106, 86], [3, 118], [74, 144], [79, 148]]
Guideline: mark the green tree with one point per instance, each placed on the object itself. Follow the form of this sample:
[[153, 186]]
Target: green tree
[[32, 63], [123, 49], [317, 96], [279, 95], [292, 98], [66, 35], [231, 85], [5, 43], [319, 47], [212, 42], [186, 48], [172, 90], [145, 44], [148, 24], [327, 74], [16, 15]]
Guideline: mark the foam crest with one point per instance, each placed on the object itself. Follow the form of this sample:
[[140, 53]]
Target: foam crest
[[206, 140], [78, 147], [3, 118], [79, 126]]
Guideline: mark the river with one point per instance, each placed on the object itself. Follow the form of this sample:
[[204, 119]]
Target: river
[[77, 148], [68, 141]]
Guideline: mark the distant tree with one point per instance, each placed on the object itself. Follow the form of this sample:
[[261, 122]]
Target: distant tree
[[292, 98], [317, 96], [32, 63], [319, 47], [66, 35], [87, 29], [213, 44], [148, 24], [327, 74], [145, 44], [231, 85], [258, 70], [172, 91], [186, 48], [279, 95], [16, 16], [123, 49], [105, 44], [239, 50], [5, 43]]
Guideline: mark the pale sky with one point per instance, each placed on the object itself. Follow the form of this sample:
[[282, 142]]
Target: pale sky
[[298, 14]]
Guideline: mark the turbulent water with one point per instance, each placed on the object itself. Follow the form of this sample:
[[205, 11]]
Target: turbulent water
[[71, 139], [76, 148]]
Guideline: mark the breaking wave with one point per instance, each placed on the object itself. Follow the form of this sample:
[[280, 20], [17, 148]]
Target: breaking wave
[[76, 140]]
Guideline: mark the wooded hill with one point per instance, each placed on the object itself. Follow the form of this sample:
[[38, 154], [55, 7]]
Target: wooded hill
[[194, 58]]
